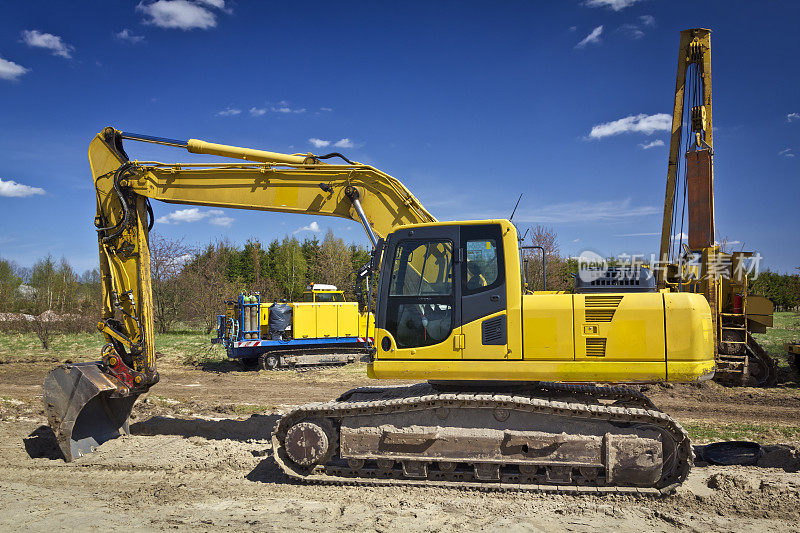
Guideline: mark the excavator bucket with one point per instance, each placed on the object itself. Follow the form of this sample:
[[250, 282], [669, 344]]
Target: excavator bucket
[[84, 408]]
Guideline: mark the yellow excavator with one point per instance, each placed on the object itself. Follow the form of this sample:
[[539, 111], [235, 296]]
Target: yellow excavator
[[451, 309], [508, 395], [691, 258]]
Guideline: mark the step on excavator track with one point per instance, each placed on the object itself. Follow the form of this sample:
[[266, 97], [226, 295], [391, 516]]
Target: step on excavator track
[[551, 438]]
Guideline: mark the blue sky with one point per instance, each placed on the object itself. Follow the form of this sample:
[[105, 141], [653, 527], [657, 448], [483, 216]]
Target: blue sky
[[470, 104]]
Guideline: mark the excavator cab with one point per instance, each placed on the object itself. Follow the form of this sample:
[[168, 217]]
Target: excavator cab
[[442, 285]]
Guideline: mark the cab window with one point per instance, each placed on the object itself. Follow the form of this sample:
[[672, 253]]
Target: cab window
[[422, 268], [481, 263], [329, 297], [420, 306], [308, 297]]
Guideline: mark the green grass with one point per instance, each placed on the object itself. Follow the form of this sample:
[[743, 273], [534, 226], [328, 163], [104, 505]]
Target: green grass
[[786, 328], [762, 433], [250, 409], [184, 347]]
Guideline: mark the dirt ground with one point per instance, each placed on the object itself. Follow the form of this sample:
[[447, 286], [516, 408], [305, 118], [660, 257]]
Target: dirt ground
[[198, 458]]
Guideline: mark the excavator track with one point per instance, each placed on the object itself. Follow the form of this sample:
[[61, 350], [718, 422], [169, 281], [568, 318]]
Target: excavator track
[[549, 438]]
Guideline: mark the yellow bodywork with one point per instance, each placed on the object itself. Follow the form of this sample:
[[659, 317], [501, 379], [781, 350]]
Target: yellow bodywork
[[124, 263], [283, 187], [328, 319], [650, 337], [623, 337], [315, 320]]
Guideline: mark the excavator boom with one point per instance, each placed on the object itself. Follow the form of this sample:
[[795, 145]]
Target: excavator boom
[[88, 404]]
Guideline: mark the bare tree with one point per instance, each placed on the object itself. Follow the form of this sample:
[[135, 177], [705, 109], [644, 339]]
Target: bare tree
[[170, 296], [557, 272], [210, 286]]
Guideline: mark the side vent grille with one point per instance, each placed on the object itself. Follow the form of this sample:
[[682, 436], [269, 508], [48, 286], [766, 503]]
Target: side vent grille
[[601, 308], [596, 347], [603, 301], [599, 315], [493, 331]]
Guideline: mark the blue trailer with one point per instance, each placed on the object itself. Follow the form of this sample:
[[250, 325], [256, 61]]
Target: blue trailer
[[248, 337]]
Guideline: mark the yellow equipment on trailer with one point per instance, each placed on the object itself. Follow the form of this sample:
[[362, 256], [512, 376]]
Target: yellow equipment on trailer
[[323, 329]]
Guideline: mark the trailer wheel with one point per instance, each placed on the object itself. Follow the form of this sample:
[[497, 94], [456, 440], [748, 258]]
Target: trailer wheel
[[269, 362]]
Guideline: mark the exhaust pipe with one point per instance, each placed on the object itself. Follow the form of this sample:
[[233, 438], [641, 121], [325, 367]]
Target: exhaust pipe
[[85, 407]]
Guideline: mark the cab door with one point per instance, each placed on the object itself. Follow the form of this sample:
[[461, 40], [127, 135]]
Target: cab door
[[484, 316], [422, 293]]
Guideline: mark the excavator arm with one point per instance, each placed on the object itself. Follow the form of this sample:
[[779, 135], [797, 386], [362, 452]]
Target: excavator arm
[[89, 403]]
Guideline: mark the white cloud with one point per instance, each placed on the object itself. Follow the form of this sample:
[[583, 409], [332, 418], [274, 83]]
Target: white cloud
[[319, 143], [786, 152], [10, 70], [48, 41], [284, 107], [636, 30], [641, 123], [219, 4], [182, 215], [616, 5], [573, 28], [679, 236], [344, 143], [652, 144], [181, 260], [631, 30], [592, 38], [328, 109], [181, 14], [193, 214], [222, 221], [126, 36], [257, 111], [313, 227], [341, 143], [228, 112], [791, 117], [13, 189]]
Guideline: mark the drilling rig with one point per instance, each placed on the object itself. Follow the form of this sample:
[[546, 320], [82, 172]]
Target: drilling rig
[[693, 261]]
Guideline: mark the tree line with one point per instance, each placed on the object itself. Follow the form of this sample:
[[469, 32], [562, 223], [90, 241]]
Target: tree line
[[191, 284]]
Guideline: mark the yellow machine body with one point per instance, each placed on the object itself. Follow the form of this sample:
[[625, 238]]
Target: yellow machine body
[[609, 337], [327, 319], [322, 313]]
